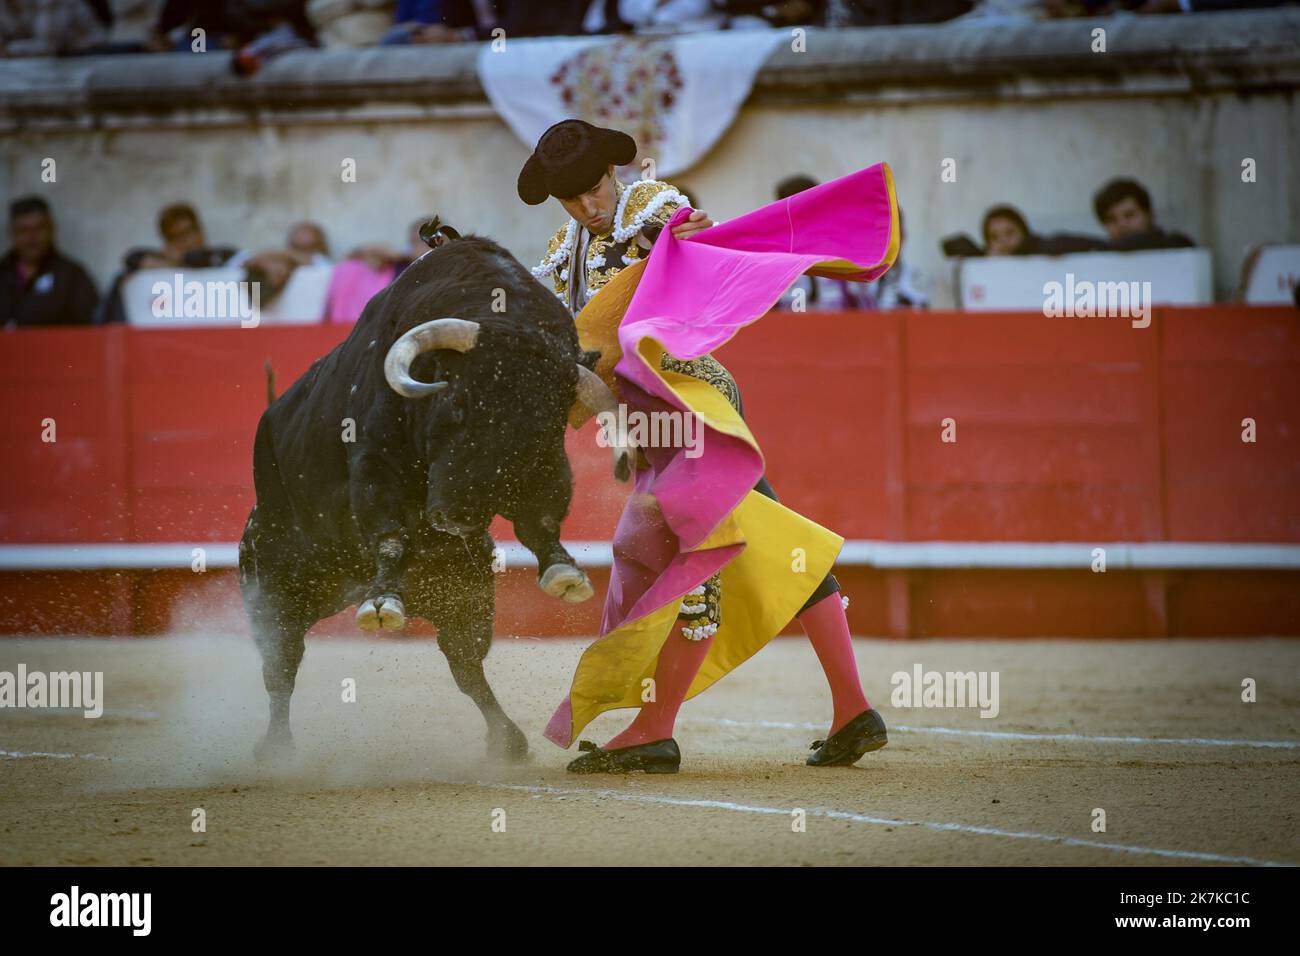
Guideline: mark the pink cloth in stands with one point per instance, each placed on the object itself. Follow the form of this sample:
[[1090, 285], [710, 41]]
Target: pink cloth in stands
[[352, 285]]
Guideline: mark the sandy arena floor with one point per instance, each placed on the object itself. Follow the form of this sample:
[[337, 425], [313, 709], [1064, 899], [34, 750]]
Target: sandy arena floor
[[1153, 732]]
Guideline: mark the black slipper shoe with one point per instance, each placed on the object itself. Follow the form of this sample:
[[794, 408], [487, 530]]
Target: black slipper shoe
[[662, 756], [861, 735]]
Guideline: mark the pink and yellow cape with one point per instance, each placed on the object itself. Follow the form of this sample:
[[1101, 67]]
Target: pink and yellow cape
[[689, 517]]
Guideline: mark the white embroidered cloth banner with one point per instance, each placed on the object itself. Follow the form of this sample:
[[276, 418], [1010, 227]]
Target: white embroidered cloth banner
[[675, 95]]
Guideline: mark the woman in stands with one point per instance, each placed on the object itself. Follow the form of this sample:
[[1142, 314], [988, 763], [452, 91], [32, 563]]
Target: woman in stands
[[1007, 234]]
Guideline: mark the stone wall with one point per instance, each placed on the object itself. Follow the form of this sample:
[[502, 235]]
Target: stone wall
[[1030, 114]]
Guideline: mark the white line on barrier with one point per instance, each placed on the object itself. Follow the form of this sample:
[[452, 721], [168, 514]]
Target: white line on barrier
[[861, 553], [881, 821], [1014, 735]]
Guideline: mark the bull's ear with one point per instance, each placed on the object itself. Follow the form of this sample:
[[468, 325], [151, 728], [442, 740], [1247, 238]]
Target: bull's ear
[[623, 466]]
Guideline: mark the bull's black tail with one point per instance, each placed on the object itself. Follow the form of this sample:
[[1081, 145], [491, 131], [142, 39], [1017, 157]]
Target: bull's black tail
[[270, 381]]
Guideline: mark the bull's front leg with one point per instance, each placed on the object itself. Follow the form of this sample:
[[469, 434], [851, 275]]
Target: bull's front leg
[[558, 573], [377, 506], [383, 609]]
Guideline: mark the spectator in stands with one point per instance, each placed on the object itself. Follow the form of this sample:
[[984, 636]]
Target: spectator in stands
[[1080, 8], [602, 18], [39, 285], [429, 21], [1123, 206], [129, 23], [309, 239], [747, 14], [266, 28], [653, 16], [272, 269], [178, 19], [49, 27], [1005, 11], [257, 28], [1204, 6], [476, 19], [380, 255], [1006, 233], [350, 23], [878, 13], [367, 270], [184, 245]]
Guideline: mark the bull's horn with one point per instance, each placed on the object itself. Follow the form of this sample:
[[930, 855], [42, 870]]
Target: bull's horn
[[596, 395], [457, 334]]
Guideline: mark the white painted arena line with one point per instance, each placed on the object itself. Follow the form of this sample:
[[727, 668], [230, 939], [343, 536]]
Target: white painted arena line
[[663, 800], [901, 728], [26, 754], [1014, 735]]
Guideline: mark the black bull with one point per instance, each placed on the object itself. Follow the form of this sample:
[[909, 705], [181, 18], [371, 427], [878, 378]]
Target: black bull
[[378, 472]]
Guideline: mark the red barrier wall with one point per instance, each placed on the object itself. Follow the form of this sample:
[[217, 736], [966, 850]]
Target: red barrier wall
[[1067, 430]]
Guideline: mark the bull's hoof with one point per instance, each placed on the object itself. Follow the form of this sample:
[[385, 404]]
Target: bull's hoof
[[383, 613], [567, 582], [507, 744], [274, 749]]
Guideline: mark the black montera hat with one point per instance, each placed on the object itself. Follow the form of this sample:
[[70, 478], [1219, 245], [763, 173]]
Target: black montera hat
[[570, 158]]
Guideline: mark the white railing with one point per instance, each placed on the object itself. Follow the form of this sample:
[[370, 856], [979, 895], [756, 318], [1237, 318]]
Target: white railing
[[1152, 555], [1019, 283]]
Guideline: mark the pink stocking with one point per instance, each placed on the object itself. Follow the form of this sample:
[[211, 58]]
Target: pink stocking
[[828, 630], [679, 662]]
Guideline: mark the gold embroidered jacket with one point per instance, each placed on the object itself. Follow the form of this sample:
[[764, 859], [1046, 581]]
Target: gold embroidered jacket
[[643, 209]]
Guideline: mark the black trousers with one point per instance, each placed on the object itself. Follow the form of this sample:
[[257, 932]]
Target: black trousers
[[829, 585]]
